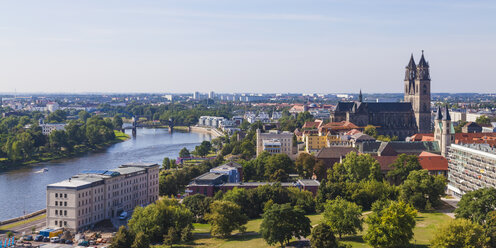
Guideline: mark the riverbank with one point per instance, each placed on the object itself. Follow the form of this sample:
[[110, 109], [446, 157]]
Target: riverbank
[[78, 151], [212, 131]]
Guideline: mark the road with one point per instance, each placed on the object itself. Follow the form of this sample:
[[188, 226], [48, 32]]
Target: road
[[26, 227]]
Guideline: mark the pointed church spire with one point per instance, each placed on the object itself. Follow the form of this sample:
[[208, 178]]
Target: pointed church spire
[[422, 62], [360, 97], [411, 64], [446, 115], [439, 115]]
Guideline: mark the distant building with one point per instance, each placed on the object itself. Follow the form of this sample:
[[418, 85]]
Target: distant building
[[471, 167], [48, 128], [211, 95], [52, 106], [211, 121], [196, 95], [275, 142], [95, 195], [471, 127]]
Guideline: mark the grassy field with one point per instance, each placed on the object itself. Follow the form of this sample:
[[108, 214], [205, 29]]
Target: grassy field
[[120, 136], [424, 231]]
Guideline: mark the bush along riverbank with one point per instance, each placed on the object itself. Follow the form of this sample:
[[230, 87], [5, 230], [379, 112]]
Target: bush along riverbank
[[63, 152]]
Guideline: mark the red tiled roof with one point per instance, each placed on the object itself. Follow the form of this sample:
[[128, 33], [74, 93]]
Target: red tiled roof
[[385, 162], [340, 125], [422, 137], [433, 162], [352, 132], [312, 124]]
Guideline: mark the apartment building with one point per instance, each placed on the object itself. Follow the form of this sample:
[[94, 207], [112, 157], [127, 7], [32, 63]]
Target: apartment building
[[275, 142], [95, 195], [471, 167]]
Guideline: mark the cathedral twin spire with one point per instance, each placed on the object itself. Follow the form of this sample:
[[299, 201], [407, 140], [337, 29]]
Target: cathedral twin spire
[[420, 71]]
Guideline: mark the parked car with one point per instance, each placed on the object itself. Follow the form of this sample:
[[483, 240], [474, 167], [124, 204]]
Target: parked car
[[27, 238], [54, 239], [62, 241], [68, 242], [38, 238], [46, 239]]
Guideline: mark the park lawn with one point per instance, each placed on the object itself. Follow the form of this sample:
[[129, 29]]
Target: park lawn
[[427, 223], [120, 136], [424, 230], [250, 239]]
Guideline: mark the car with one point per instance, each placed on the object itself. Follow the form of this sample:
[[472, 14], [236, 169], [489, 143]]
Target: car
[[46, 239], [62, 241], [123, 215], [27, 238], [38, 238], [68, 242], [54, 239]]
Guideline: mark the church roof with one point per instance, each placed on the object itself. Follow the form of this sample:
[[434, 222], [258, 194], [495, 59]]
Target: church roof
[[388, 106], [392, 147], [422, 62], [439, 115], [411, 64], [344, 106], [446, 115]]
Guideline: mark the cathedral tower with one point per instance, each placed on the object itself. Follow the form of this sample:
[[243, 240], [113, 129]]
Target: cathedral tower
[[418, 92]]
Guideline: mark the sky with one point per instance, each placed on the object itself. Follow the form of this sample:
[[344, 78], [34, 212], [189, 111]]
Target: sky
[[235, 46]]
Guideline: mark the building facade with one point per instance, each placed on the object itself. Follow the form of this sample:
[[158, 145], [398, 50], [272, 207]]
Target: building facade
[[275, 142], [95, 195], [471, 167], [401, 119]]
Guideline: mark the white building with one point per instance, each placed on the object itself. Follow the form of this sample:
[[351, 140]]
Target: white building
[[275, 142], [211, 121], [52, 106], [95, 195]]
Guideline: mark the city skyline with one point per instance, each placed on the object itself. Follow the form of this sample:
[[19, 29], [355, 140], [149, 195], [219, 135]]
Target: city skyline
[[236, 46]]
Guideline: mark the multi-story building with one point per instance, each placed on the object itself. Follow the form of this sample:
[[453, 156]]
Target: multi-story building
[[48, 128], [96, 195], [471, 167], [284, 142], [211, 121]]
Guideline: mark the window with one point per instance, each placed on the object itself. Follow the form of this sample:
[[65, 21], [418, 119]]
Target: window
[[56, 203], [56, 213], [65, 223], [56, 222], [56, 195], [65, 212], [65, 204], [65, 195]]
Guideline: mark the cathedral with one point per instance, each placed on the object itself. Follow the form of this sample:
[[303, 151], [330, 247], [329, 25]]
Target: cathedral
[[401, 119]]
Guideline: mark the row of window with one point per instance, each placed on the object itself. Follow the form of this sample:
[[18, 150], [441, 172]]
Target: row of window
[[57, 195], [61, 212], [59, 223], [59, 203]]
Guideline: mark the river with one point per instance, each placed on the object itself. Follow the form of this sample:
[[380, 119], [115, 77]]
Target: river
[[24, 190]]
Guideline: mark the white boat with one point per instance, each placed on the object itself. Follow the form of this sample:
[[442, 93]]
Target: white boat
[[42, 170]]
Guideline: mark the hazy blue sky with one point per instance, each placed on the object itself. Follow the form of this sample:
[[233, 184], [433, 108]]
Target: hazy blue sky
[[244, 45]]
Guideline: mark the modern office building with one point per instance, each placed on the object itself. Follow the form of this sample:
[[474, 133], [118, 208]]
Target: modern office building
[[471, 167], [95, 195]]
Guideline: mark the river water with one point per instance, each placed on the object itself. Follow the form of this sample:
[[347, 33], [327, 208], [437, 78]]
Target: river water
[[24, 190]]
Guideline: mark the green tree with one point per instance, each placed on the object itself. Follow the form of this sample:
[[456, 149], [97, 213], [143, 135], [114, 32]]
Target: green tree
[[155, 219], [343, 217], [278, 167], [117, 122], [402, 167], [323, 237], [459, 233], [490, 228], [360, 167], [83, 116], [198, 204], [475, 205], [122, 239], [224, 218], [184, 153], [141, 241], [390, 224], [370, 130], [171, 237], [281, 222], [166, 163], [305, 164], [240, 197], [423, 190], [483, 120]]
